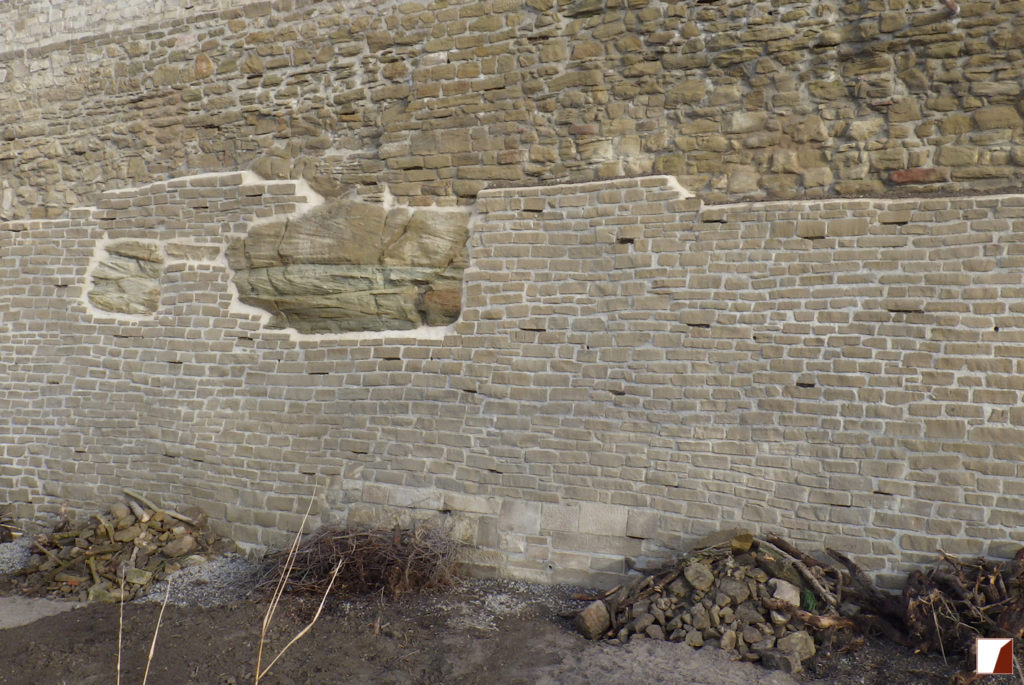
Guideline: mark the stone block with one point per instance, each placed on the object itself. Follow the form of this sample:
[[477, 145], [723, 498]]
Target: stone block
[[642, 524], [919, 175], [997, 116], [520, 516], [603, 519], [563, 517], [745, 122]]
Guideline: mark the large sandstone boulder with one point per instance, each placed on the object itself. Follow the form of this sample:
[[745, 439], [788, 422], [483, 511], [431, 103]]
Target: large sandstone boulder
[[354, 266]]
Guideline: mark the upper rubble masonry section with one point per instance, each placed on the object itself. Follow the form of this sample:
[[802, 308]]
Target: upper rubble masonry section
[[305, 265], [432, 102], [34, 24]]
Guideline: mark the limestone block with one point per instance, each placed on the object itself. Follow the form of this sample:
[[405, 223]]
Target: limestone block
[[745, 122]]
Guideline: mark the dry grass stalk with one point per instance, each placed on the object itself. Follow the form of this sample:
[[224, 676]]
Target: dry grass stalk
[[275, 600], [305, 630], [156, 631], [120, 626]]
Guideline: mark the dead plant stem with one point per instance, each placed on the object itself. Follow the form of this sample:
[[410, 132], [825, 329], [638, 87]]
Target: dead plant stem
[[309, 626], [282, 582], [120, 625], [156, 631]]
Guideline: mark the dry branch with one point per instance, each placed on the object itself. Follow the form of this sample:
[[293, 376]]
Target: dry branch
[[815, 620], [396, 561]]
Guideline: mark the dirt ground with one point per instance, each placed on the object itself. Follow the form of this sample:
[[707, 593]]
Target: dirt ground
[[484, 632]]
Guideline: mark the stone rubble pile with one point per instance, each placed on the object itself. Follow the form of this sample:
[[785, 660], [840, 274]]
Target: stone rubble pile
[[743, 595], [117, 555]]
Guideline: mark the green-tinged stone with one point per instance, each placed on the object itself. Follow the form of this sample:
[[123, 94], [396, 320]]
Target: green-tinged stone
[[138, 576]]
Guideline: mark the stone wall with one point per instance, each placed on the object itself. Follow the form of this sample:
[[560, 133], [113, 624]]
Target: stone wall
[[433, 102], [36, 23], [631, 369]]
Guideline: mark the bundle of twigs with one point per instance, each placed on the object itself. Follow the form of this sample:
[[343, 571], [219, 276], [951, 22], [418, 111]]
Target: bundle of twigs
[[394, 561], [960, 600]]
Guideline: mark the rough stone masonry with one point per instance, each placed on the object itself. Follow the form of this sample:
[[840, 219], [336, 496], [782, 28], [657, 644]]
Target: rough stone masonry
[[432, 102], [630, 369], [410, 258]]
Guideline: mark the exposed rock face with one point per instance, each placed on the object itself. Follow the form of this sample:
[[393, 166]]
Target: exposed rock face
[[354, 266], [127, 280]]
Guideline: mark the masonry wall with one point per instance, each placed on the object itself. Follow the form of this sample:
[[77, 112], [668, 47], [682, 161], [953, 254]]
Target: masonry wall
[[431, 102], [36, 23], [632, 369]]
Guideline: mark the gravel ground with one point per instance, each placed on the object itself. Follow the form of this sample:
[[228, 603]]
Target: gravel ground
[[220, 580], [14, 555]]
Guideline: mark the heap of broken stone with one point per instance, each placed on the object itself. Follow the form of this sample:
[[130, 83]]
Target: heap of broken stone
[[742, 595], [116, 555]]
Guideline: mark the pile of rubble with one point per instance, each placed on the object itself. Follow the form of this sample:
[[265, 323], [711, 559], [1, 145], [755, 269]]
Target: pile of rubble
[[117, 555], [742, 595], [765, 600]]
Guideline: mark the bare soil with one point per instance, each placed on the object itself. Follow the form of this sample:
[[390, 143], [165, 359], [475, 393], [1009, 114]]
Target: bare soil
[[483, 632]]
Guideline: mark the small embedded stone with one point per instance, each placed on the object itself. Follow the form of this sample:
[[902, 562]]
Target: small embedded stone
[[919, 175]]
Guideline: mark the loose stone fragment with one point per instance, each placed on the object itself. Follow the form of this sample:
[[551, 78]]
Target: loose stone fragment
[[728, 639], [138, 576], [655, 632], [736, 590], [799, 643], [180, 546], [699, 576], [593, 621], [780, 660]]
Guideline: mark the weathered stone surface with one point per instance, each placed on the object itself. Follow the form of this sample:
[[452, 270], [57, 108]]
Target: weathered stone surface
[[352, 265], [342, 232], [998, 116], [919, 175], [593, 621], [736, 590], [362, 113], [126, 278], [138, 576], [699, 575], [781, 660], [179, 546], [785, 591], [799, 643], [129, 533], [430, 239]]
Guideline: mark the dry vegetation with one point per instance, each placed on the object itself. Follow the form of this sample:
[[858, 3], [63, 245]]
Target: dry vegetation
[[392, 561]]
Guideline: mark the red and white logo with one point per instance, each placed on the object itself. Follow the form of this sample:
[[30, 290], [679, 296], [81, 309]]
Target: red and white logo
[[995, 655]]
